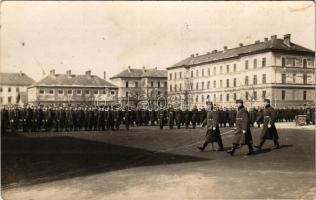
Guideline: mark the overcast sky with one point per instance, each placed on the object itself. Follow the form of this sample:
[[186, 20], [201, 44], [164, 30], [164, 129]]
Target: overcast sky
[[108, 36]]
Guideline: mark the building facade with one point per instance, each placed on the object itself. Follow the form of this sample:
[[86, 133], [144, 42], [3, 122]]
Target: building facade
[[275, 68], [13, 88], [72, 89], [135, 85]]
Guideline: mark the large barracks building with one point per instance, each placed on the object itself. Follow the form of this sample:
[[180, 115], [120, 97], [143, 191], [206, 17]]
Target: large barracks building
[[73, 89], [274, 68]]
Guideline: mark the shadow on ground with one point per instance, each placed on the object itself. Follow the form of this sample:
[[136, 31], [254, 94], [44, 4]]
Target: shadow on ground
[[28, 160]]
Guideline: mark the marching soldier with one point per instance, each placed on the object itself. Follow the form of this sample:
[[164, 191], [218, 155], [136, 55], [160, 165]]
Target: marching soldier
[[171, 118], [161, 118], [268, 130], [152, 117], [213, 133], [259, 117], [194, 116], [242, 134], [252, 117], [4, 120], [179, 117], [231, 116], [126, 117], [187, 117]]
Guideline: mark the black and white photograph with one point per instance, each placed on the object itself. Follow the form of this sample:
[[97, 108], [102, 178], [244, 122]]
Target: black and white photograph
[[152, 100]]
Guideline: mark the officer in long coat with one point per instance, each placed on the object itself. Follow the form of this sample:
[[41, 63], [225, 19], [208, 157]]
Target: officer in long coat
[[126, 117], [252, 117], [161, 118], [194, 116], [152, 117], [242, 135], [178, 117], [171, 117], [268, 129], [213, 133], [187, 118], [259, 117]]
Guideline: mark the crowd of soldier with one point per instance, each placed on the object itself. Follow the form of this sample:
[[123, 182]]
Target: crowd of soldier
[[91, 118]]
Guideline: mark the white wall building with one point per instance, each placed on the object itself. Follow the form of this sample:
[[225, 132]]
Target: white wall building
[[276, 69]]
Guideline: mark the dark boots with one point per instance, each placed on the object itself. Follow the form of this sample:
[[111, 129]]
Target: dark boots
[[261, 144], [276, 144], [233, 149], [204, 146]]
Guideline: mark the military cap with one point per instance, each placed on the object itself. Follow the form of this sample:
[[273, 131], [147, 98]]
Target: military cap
[[267, 100], [240, 101]]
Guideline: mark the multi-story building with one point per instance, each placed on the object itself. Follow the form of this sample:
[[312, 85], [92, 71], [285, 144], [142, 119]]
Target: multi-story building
[[13, 88], [274, 68], [139, 84], [72, 89]]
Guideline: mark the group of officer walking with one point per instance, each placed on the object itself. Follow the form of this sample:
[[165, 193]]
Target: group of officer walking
[[242, 133]]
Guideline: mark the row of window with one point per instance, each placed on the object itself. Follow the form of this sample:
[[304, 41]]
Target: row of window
[[70, 92], [151, 84], [10, 89], [292, 61], [294, 78], [208, 85]]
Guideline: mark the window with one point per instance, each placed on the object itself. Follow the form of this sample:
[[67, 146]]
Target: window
[[214, 71], [246, 80], [103, 92], [197, 86], [263, 62], [227, 97], [136, 84], [69, 91], [112, 92], [283, 95], [170, 76], [283, 61], [305, 79], [180, 87], [294, 78], [0, 89], [160, 92], [87, 91], [235, 96], [246, 64], [191, 74], [208, 72], [208, 84], [214, 84], [96, 92], [152, 83], [202, 98], [9, 89], [304, 63], [264, 94], [235, 82], [197, 98], [255, 79], [203, 72], [227, 83], [51, 91], [60, 91], [9, 99], [255, 95], [175, 76], [197, 73], [214, 97], [158, 84], [221, 97], [170, 88], [1, 100], [254, 63], [126, 84], [221, 69], [227, 69], [202, 85], [293, 62], [283, 78], [235, 68], [126, 94], [41, 91], [247, 96], [17, 89], [180, 74], [220, 83], [304, 95], [264, 78], [165, 84], [175, 87]]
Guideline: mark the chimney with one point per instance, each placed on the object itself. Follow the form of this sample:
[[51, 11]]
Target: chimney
[[104, 75], [266, 39], [52, 72], [257, 41], [225, 48], [214, 51], [192, 56], [241, 44], [88, 73], [287, 39], [273, 37], [68, 72]]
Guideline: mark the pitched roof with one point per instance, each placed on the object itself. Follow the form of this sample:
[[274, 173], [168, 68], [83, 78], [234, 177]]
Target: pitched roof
[[274, 44], [20, 79], [73, 80], [138, 73]]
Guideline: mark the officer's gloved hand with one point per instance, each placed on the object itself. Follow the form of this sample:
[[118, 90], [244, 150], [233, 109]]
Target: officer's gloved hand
[[214, 128], [243, 131], [269, 125]]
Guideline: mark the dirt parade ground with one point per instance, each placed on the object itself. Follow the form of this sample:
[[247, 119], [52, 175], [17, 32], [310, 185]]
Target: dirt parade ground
[[146, 163]]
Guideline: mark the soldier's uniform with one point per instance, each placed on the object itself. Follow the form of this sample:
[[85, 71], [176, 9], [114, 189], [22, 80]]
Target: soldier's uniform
[[194, 116], [126, 118], [171, 117], [179, 117], [259, 117], [268, 130], [14, 119], [242, 135], [4, 120], [152, 117], [161, 118], [252, 117], [187, 117], [231, 116], [213, 133]]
